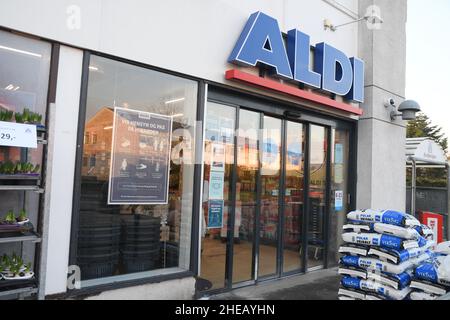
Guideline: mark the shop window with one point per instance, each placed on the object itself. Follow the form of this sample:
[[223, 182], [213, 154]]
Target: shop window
[[24, 82], [136, 200]]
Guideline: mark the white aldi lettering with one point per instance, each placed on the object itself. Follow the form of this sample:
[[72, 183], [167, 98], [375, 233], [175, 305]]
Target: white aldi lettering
[[18, 135]]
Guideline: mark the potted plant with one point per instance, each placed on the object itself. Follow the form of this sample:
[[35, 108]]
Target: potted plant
[[15, 269], [10, 218], [7, 168], [18, 117], [28, 117], [22, 218], [24, 168], [5, 115]]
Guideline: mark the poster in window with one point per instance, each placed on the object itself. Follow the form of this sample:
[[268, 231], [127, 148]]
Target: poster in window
[[140, 162], [339, 153], [339, 173], [226, 130], [212, 131], [215, 214], [338, 200], [216, 185], [218, 157], [294, 155]]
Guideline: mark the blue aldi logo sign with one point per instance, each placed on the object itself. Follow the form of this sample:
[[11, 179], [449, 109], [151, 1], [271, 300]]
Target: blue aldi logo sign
[[262, 42]]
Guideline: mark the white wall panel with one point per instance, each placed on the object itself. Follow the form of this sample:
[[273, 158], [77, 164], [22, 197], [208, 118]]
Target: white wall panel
[[63, 167]]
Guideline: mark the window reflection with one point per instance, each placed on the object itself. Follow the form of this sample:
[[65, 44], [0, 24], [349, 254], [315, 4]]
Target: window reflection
[[317, 198], [270, 185], [294, 202], [24, 82], [116, 240]]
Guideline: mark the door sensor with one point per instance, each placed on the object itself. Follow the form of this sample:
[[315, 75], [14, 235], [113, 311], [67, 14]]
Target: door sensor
[[293, 114]]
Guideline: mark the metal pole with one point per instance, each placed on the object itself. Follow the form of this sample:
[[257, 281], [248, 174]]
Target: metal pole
[[413, 188]]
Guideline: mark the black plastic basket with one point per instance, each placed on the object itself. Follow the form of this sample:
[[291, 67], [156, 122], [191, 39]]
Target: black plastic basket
[[94, 258], [97, 270], [139, 247], [172, 253], [91, 253], [98, 231], [139, 220]]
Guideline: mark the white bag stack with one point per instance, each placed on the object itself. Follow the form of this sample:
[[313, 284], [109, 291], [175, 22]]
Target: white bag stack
[[431, 278], [381, 250]]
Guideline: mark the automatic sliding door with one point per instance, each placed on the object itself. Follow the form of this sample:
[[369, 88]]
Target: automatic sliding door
[[270, 190], [217, 197], [294, 192], [317, 195], [339, 205], [246, 195]]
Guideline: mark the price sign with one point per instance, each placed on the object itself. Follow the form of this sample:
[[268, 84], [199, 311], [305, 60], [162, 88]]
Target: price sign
[[18, 135]]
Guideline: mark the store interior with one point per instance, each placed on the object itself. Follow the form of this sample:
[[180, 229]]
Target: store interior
[[249, 195]]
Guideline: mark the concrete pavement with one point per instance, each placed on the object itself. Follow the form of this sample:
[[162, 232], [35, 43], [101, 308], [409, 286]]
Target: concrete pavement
[[317, 285]]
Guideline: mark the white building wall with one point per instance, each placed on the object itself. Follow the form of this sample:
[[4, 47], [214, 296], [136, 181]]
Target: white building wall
[[192, 37], [63, 168]]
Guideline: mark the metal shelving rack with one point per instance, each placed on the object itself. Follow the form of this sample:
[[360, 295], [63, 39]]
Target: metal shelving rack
[[25, 288]]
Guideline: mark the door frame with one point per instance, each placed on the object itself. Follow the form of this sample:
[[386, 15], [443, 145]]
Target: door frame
[[272, 107]]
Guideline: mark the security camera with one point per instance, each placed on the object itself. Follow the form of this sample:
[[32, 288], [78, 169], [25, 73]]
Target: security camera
[[389, 103], [374, 18]]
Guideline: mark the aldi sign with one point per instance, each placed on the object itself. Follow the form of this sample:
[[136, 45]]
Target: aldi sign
[[261, 42]]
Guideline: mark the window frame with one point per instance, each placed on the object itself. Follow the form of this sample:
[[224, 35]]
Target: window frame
[[193, 258]]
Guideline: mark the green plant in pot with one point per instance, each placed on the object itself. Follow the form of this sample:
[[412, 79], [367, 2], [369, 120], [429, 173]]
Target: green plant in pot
[[10, 168], [5, 115], [35, 118], [28, 116], [6, 265], [10, 218], [23, 217], [28, 168], [15, 269], [7, 168], [36, 169], [19, 118]]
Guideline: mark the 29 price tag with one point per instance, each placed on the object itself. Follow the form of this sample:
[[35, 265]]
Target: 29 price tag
[[6, 136], [18, 135]]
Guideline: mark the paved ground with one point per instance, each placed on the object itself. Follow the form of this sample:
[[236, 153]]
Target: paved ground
[[318, 285]]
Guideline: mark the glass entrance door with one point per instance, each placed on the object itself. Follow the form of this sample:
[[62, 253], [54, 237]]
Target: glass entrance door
[[272, 196], [294, 194], [218, 195], [317, 195], [247, 199]]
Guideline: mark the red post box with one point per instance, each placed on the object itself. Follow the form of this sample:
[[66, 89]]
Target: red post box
[[435, 222]]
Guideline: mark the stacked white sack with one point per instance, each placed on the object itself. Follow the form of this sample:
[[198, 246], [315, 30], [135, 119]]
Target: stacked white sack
[[431, 278], [381, 250]]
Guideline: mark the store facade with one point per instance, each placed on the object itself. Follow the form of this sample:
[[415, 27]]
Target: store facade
[[180, 168]]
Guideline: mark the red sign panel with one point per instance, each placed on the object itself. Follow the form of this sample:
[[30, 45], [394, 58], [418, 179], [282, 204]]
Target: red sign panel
[[435, 222]]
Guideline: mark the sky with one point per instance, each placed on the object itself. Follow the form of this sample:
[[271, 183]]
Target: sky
[[428, 59]]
